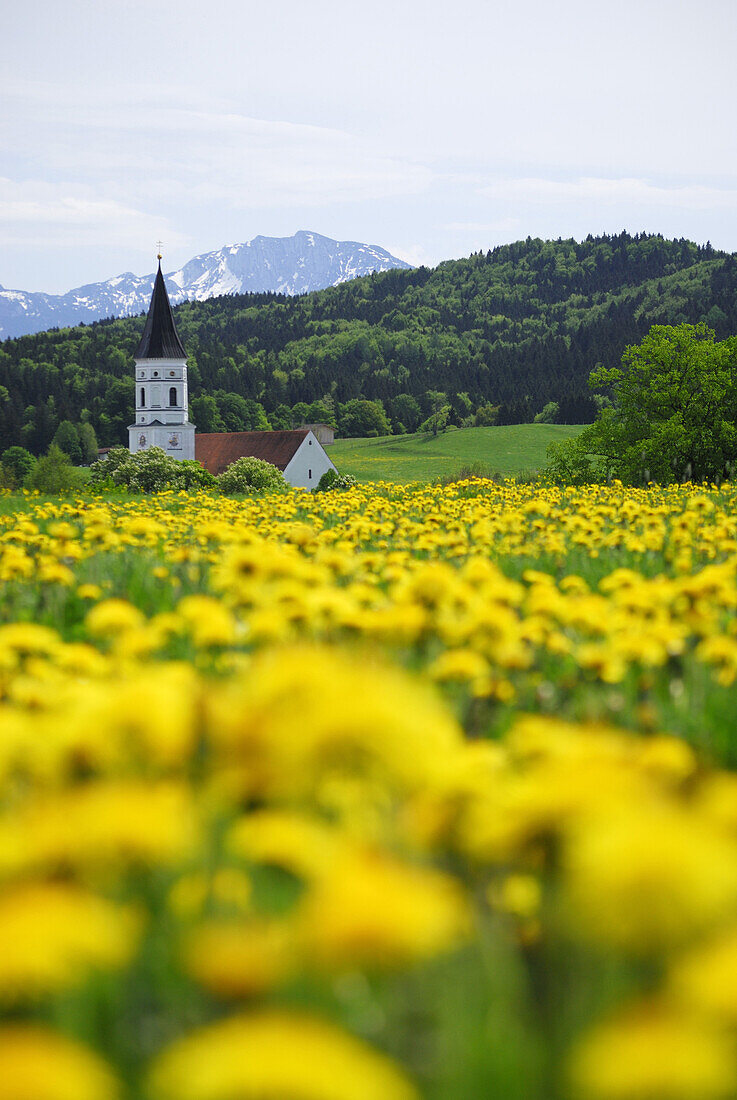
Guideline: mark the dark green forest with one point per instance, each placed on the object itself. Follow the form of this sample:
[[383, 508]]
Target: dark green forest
[[504, 337]]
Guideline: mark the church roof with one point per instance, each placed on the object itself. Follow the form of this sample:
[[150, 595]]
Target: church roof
[[160, 339], [216, 450]]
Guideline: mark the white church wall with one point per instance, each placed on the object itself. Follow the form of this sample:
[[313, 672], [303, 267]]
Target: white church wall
[[176, 439], [159, 423], [156, 379], [308, 464]]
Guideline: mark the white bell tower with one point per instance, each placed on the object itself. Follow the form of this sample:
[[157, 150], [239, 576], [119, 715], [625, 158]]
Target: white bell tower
[[162, 401]]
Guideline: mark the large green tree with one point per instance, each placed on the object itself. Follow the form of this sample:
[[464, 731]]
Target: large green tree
[[205, 414], [363, 418], [440, 409], [66, 437], [673, 415]]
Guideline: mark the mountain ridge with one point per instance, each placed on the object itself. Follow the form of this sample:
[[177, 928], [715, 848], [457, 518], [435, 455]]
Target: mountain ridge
[[294, 265]]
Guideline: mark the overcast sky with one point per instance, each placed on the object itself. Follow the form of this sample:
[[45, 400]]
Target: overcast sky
[[430, 127]]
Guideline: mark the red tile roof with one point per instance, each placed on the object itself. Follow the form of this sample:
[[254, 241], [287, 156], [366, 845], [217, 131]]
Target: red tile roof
[[216, 450]]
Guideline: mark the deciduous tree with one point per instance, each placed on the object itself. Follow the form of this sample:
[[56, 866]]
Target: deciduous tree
[[673, 414]]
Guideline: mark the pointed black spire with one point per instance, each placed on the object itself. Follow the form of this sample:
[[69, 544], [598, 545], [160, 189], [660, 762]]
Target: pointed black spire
[[160, 339]]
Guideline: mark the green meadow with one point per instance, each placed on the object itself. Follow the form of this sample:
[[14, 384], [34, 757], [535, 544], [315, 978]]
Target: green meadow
[[513, 449]]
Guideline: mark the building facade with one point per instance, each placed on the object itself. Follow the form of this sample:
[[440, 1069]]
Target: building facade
[[324, 433], [162, 400], [162, 411], [298, 454]]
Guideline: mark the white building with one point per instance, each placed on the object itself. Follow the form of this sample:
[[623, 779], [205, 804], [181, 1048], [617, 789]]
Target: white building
[[162, 401], [162, 408], [298, 454]]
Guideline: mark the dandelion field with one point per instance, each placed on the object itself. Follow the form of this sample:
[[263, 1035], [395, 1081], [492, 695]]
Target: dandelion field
[[394, 793]]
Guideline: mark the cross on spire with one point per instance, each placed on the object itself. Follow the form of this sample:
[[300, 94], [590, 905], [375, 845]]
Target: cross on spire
[[159, 246]]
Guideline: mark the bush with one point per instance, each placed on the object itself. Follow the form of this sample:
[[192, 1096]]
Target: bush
[[332, 480], [8, 479], [486, 416], [251, 475], [53, 473], [549, 414], [101, 472], [150, 471], [17, 464], [569, 463]]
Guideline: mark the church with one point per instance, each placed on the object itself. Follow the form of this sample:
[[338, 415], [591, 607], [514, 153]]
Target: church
[[162, 411]]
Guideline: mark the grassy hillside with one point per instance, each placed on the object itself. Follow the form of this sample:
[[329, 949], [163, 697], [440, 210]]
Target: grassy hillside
[[513, 449]]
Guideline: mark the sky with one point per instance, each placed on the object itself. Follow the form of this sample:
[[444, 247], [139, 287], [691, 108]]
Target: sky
[[433, 129]]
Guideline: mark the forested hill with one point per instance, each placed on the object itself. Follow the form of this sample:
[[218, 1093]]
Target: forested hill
[[498, 336]]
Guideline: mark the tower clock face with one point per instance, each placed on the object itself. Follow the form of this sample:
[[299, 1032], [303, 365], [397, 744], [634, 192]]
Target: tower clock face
[[142, 440]]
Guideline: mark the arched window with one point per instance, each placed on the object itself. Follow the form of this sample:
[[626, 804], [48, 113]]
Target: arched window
[[173, 395], [143, 396]]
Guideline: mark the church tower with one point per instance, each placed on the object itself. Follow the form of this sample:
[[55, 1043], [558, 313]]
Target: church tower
[[162, 403]]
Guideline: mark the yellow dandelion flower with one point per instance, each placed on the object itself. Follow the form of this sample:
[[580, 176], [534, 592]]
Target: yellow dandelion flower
[[303, 845], [519, 894], [654, 1055], [39, 1064], [59, 934], [275, 1054], [705, 979], [28, 638], [208, 619], [373, 910], [240, 959], [89, 592], [649, 877], [303, 714], [459, 664], [104, 823], [229, 887], [113, 617]]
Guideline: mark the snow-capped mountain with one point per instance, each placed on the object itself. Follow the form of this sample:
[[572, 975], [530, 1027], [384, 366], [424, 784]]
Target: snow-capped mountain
[[286, 265]]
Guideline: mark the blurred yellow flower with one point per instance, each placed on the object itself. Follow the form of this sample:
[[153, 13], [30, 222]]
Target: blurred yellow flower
[[208, 619], [705, 979], [374, 911], [39, 1064], [111, 617], [55, 935], [275, 1054], [520, 895], [89, 592], [304, 845], [654, 1055], [103, 825], [649, 877], [240, 959]]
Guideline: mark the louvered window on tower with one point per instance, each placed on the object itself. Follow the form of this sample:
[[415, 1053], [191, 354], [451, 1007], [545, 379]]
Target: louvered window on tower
[[173, 395]]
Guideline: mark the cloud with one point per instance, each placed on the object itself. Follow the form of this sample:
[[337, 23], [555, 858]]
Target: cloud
[[630, 192], [152, 149], [415, 254], [59, 215], [500, 225]]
